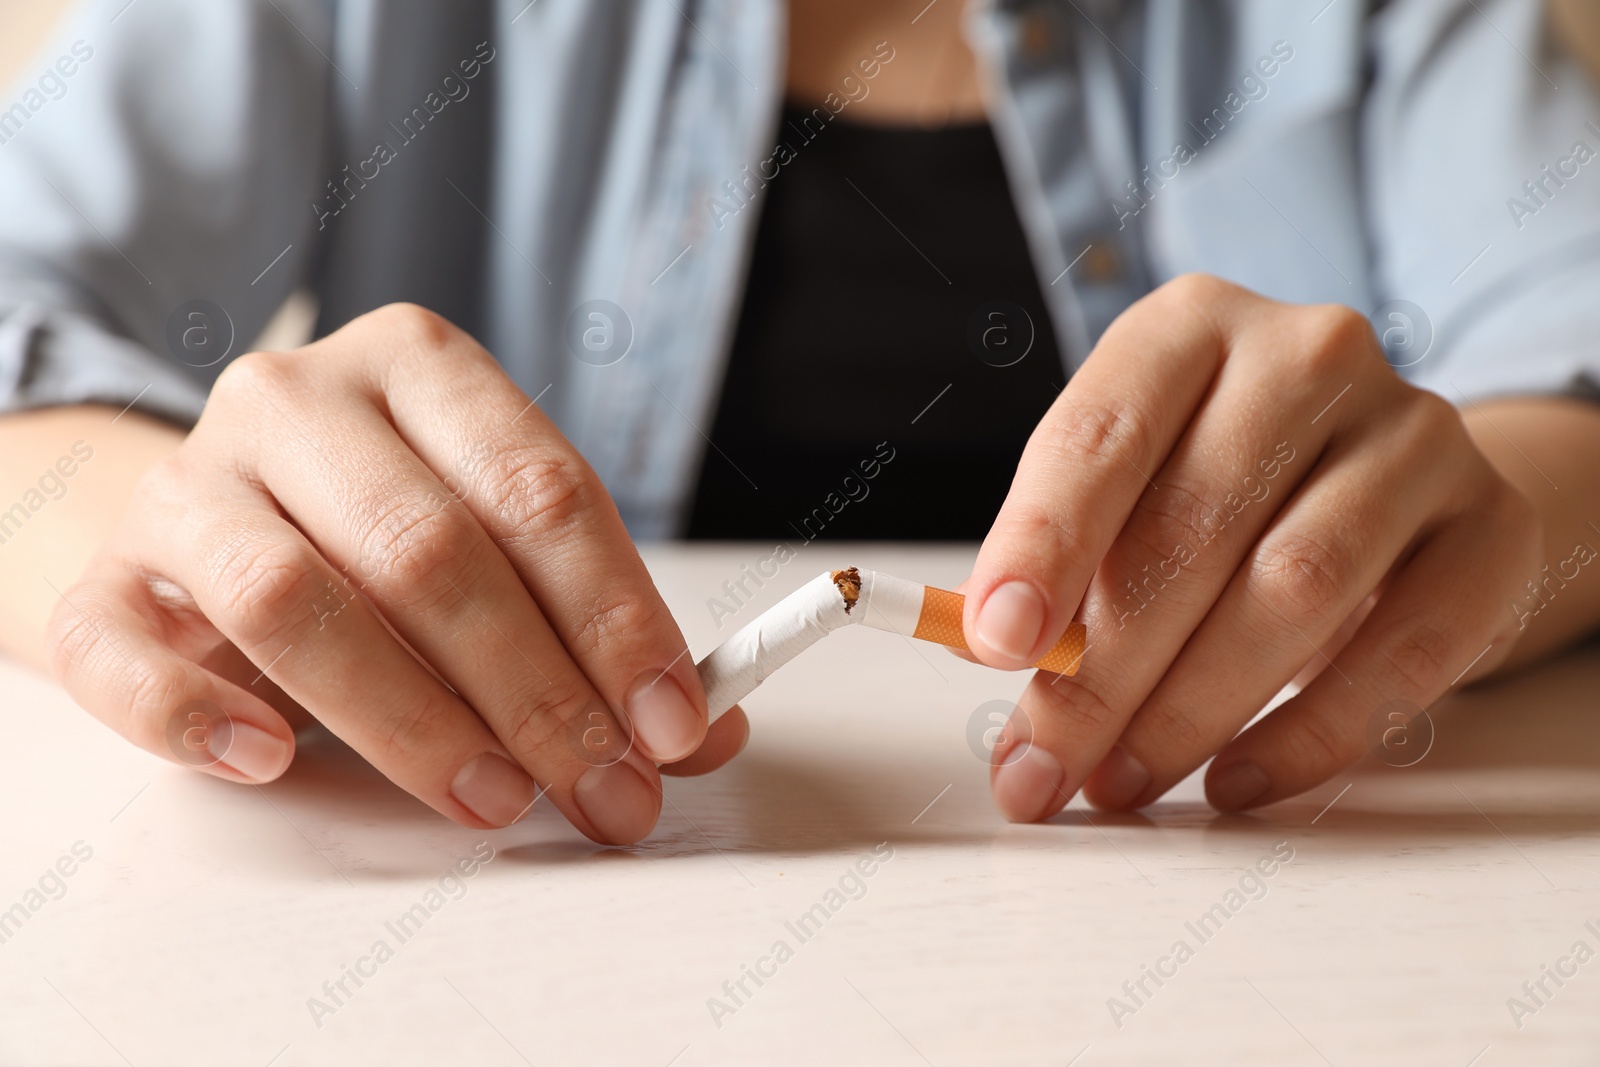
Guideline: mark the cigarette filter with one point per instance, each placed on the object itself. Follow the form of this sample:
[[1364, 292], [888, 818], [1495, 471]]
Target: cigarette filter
[[834, 599]]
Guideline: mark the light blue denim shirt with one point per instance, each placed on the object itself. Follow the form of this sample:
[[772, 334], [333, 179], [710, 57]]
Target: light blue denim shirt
[[511, 163]]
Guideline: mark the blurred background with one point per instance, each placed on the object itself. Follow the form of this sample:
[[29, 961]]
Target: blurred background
[[24, 26], [1578, 22]]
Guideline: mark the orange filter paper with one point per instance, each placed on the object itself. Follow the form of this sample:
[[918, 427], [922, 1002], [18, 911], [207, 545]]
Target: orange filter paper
[[940, 620]]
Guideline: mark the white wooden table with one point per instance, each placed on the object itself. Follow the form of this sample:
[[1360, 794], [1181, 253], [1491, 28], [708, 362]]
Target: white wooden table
[[207, 916]]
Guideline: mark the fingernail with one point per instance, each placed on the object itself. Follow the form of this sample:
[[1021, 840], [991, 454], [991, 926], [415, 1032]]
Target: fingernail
[[665, 724], [250, 750], [1237, 784], [494, 789], [1028, 786], [1122, 778], [1010, 620], [619, 803]]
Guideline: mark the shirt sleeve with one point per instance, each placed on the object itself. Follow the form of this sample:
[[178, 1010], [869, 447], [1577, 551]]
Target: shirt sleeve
[[1481, 146], [158, 160]]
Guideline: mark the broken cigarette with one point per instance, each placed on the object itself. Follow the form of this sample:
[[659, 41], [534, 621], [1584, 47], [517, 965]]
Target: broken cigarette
[[834, 599]]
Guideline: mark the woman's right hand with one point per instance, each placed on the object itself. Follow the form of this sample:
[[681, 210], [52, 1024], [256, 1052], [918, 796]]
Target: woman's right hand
[[382, 531]]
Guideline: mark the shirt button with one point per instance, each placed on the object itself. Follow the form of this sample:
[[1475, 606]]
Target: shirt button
[[1101, 263], [1038, 34]]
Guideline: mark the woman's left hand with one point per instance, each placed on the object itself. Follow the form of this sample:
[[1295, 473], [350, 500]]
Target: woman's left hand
[[1218, 493]]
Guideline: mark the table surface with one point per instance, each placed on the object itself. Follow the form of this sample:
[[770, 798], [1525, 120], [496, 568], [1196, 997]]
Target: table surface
[[1417, 901]]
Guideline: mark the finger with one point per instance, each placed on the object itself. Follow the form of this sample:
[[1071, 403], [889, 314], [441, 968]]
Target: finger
[[545, 508], [1336, 644], [413, 548], [227, 662], [436, 577], [1086, 464], [1309, 573], [724, 740], [1223, 484], [961, 653], [109, 653], [189, 634], [268, 590], [1421, 638]]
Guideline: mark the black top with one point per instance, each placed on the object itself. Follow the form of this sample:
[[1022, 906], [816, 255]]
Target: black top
[[882, 382]]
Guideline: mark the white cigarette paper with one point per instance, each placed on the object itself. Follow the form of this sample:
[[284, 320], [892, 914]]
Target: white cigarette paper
[[834, 599]]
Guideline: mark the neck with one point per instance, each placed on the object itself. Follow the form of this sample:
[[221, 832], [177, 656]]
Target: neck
[[931, 79]]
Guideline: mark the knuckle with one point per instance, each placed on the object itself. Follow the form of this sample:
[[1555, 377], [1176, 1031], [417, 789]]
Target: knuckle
[[539, 497], [81, 644], [1036, 538], [1074, 710], [1095, 429], [1301, 578], [1172, 732], [1438, 414], [1175, 515], [75, 637], [1335, 338], [1317, 744], [255, 375], [166, 483], [152, 699], [1199, 287], [1196, 303], [1027, 518], [622, 618], [413, 322], [1430, 423], [413, 544], [418, 728], [1421, 653], [544, 714], [263, 591]]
